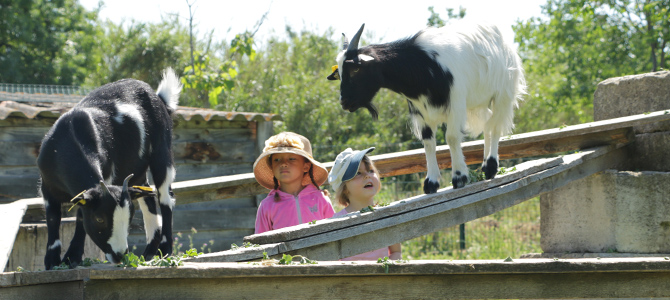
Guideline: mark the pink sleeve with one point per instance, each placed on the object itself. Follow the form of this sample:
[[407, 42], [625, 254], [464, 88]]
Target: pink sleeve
[[263, 222], [327, 210]]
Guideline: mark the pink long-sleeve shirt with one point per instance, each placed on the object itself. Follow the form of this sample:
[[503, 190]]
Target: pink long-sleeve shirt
[[310, 204]]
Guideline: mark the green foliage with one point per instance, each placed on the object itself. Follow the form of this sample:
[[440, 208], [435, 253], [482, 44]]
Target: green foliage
[[141, 51], [87, 262], [130, 260], [47, 42], [296, 260], [288, 77], [576, 45], [435, 21], [386, 263], [244, 245]]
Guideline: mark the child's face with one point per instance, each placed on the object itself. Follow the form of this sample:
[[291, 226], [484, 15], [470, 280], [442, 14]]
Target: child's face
[[365, 184], [289, 168]]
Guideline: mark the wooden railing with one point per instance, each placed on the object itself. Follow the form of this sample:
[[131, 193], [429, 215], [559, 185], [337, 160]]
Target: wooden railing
[[608, 132]]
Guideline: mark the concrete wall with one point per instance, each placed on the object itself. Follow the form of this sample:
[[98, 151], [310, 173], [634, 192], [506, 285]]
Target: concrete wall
[[30, 245], [625, 210]]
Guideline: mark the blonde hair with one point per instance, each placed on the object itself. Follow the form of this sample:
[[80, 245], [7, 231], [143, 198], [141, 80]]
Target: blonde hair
[[342, 194], [311, 176]]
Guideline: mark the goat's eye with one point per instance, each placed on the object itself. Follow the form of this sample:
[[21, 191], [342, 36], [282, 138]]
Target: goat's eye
[[99, 220]]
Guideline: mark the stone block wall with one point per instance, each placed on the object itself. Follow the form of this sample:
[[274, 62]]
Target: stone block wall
[[625, 210]]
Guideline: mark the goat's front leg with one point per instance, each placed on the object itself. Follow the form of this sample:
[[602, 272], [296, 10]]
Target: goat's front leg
[[75, 252], [167, 202], [52, 257], [152, 225], [459, 169], [432, 183]]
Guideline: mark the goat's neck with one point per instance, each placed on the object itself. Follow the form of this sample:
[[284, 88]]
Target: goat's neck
[[402, 76]]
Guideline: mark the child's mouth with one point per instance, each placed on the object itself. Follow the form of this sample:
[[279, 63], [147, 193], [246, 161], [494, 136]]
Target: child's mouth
[[369, 185]]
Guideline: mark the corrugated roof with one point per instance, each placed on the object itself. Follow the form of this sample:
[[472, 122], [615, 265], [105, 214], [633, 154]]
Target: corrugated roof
[[54, 110]]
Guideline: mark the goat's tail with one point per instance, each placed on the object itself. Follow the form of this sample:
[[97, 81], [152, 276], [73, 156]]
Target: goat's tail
[[169, 89]]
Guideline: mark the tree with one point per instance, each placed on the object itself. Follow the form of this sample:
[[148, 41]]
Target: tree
[[435, 20], [580, 43], [141, 51], [47, 42]]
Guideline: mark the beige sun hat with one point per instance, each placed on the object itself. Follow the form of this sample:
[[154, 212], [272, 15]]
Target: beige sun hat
[[287, 142]]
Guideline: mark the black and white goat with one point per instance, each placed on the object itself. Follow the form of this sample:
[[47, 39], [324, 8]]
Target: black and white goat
[[466, 77], [89, 156]]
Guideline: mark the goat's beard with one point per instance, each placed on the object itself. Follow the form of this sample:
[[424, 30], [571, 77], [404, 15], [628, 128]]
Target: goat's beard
[[373, 111]]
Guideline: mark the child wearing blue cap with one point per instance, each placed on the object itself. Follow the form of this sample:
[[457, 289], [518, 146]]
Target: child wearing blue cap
[[355, 180]]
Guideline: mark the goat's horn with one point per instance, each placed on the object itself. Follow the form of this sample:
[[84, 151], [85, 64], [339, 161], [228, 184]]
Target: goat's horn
[[346, 43], [125, 183], [105, 190], [354, 42]]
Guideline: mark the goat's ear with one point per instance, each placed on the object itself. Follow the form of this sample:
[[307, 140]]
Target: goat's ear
[[140, 191], [363, 57], [335, 75]]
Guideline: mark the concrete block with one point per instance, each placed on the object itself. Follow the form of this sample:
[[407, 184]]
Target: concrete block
[[611, 211], [31, 244], [633, 95]]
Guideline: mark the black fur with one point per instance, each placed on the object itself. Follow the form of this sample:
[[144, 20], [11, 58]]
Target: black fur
[[88, 145], [459, 180], [401, 66], [490, 168]]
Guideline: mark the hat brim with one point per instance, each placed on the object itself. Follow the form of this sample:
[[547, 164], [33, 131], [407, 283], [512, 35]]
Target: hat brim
[[263, 170], [354, 164]]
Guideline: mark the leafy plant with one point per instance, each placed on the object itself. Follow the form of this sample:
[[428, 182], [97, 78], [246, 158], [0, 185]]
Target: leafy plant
[[386, 262], [244, 245]]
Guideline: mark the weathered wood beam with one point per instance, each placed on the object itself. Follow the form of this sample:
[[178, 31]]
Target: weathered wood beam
[[473, 279], [334, 239], [608, 132]]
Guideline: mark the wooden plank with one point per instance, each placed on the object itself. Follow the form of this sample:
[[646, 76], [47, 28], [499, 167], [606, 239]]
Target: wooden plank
[[383, 232], [10, 219], [212, 134], [31, 134], [215, 151], [477, 279], [18, 153], [194, 171], [379, 228], [400, 207], [608, 132]]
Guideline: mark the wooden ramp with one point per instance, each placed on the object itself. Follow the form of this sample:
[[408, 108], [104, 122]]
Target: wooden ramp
[[603, 145], [464, 279], [356, 233]]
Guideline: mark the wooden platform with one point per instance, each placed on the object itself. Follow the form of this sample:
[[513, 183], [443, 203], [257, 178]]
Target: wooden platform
[[474, 279]]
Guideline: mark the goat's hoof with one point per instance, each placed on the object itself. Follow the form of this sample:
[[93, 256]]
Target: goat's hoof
[[458, 180], [52, 259], [430, 187], [490, 168]]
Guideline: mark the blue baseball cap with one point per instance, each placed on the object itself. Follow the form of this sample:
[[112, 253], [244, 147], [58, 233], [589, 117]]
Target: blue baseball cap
[[346, 166]]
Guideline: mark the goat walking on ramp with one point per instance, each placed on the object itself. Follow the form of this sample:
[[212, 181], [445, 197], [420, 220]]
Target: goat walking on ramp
[[89, 157], [466, 77]]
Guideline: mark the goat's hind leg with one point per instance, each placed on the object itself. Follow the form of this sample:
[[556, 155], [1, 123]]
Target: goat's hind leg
[[53, 214], [431, 183], [490, 165], [163, 176]]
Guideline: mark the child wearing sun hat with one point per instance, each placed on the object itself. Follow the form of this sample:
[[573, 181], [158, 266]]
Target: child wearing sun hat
[[356, 182], [289, 170]]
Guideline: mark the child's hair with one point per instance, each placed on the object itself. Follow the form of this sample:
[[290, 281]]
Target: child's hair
[[342, 194], [311, 176]]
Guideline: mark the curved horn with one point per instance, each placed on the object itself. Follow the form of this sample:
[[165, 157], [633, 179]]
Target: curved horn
[[125, 183], [105, 190], [353, 45], [346, 43]]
